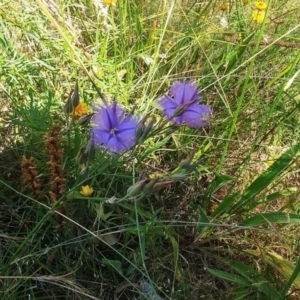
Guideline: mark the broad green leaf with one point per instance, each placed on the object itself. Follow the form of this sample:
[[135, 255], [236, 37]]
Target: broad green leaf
[[274, 217], [268, 176], [229, 277]]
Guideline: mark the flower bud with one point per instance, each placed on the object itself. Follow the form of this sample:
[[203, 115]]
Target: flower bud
[[185, 165], [143, 130], [136, 188], [81, 156], [75, 96], [85, 120], [178, 176], [147, 130], [159, 185], [68, 108], [141, 127], [139, 131], [90, 149], [179, 111], [148, 188]]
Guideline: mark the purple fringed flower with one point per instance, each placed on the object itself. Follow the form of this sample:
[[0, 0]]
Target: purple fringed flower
[[113, 131], [184, 107]]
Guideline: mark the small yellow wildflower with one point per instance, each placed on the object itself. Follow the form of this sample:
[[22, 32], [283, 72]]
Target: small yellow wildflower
[[86, 190], [260, 5], [258, 16], [81, 109], [224, 6], [109, 2]]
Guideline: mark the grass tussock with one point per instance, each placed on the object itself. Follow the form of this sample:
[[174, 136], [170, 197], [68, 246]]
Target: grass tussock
[[170, 171]]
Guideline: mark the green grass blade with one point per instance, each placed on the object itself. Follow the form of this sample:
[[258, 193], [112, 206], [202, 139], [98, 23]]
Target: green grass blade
[[229, 277], [240, 293], [216, 184], [294, 276], [274, 217], [268, 176], [225, 204], [236, 55], [285, 268], [255, 278]]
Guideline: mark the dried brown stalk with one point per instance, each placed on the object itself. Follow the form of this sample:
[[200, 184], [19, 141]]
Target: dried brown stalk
[[30, 173], [54, 149]]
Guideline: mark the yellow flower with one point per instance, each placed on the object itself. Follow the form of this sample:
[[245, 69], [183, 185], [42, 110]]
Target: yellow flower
[[81, 109], [224, 6], [260, 5], [258, 16], [86, 190], [109, 2]]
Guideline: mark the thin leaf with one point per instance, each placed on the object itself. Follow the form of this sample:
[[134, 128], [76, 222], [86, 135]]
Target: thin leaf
[[155, 147], [294, 276], [225, 204], [285, 268], [255, 278], [175, 256], [236, 55], [240, 293], [274, 217], [216, 184], [274, 196], [229, 277], [202, 218]]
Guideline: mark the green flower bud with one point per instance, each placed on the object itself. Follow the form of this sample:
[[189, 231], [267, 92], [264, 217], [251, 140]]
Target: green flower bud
[[178, 177], [136, 188], [148, 188]]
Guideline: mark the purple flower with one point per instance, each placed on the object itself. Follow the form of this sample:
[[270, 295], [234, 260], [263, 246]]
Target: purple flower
[[184, 107], [112, 130]]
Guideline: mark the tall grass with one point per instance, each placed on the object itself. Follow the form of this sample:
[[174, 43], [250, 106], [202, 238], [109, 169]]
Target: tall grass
[[186, 214]]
